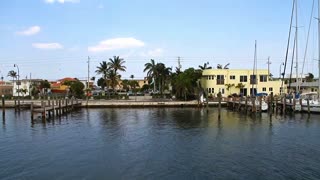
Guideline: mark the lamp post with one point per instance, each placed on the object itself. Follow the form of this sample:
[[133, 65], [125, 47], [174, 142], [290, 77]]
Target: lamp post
[[18, 83]]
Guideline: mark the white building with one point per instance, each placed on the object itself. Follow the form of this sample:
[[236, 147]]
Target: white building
[[24, 84]]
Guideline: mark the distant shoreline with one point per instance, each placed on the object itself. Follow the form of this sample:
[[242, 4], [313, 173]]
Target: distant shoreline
[[120, 103]]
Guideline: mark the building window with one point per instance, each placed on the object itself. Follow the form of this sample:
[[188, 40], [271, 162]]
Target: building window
[[220, 79], [263, 78], [243, 78], [209, 90], [264, 89], [233, 77], [270, 89], [209, 77], [253, 79], [221, 90]]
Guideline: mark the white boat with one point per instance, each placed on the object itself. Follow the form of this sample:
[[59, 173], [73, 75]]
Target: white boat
[[314, 104]]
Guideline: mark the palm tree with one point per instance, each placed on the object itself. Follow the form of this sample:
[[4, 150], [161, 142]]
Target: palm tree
[[117, 64], [103, 69], [240, 86], [205, 66], [229, 86], [219, 66], [114, 79], [12, 74], [163, 75], [151, 70]]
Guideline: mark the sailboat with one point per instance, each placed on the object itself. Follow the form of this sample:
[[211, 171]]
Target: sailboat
[[264, 105], [310, 101]]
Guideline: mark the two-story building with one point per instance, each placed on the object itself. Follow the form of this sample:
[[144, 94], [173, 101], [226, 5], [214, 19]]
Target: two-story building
[[6, 88], [238, 81], [26, 85]]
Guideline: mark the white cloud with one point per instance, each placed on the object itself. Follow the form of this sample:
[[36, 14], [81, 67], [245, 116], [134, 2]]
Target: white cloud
[[152, 53], [30, 31], [116, 43], [49, 46], [61, 1], [156, 52]]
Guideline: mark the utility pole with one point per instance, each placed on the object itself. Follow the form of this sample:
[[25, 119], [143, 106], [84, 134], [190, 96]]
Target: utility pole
[[87, 89], [179, 63], [269, 62]]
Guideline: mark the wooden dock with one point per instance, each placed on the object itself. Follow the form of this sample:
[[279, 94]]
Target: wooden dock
[[54, 108]]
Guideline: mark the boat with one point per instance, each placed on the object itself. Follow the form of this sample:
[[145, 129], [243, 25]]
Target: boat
[[310, 100]]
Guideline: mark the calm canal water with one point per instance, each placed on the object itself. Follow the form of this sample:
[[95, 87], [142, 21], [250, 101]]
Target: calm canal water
[[181, 143]]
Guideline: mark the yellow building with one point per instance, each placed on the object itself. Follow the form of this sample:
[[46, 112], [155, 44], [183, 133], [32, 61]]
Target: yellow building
[[230, 81]]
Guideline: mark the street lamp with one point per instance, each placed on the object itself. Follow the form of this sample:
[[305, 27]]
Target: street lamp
[[18, 83]]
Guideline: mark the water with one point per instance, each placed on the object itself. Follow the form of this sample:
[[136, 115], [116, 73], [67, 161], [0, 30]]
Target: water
[[182, 143]]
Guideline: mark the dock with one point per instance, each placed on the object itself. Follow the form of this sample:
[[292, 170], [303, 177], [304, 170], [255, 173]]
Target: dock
[[53, 108]]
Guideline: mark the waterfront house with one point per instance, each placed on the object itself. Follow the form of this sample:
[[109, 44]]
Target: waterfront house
[[26, 85], [238, 81], [6, 88]]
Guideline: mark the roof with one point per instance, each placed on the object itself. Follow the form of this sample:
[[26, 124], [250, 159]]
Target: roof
[[306, 84]]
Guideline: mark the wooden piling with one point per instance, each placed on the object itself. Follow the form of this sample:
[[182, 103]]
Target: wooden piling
[[246, 105], [294, 103], [308, 104], [260, 103], [59, 107], [219, 105], [284, 104], [15, 105], [31, 111], [3, 107], [253, 101]]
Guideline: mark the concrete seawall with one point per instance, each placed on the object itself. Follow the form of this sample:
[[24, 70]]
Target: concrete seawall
[[119, 103]]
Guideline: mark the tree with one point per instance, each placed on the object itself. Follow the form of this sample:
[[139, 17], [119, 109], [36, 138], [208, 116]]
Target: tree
[[76, 89], [150, 68], [240, 86], [104, 70], [310, 77], [185, 83], [219, 66], [205, 66], [229, 86], [114, 79], [163, 75], [101, 82], [44, 85], [12, 74], [117, 64], [125, 84]]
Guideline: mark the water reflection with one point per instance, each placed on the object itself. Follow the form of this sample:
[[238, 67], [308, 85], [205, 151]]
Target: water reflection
[[160, 143]]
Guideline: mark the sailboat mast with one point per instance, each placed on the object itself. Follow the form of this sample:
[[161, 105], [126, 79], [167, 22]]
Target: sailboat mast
[[297, 82], [318, 47]]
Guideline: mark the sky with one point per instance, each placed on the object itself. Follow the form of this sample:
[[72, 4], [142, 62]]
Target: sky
[[52, 39]]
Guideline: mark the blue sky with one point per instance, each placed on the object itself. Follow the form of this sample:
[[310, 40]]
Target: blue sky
[[53, 38]]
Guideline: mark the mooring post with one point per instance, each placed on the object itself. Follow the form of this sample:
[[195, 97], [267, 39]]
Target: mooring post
[[253, 101], [53, 108], [31, 111], [260, 103], [271, 103], [294, 103], [246, 105], [207, 101], [15, 105], [3, 106], [219, 105], [59, 107], [19, 104], [284, 104], [308, 104], [239, 107], [43, 111]]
